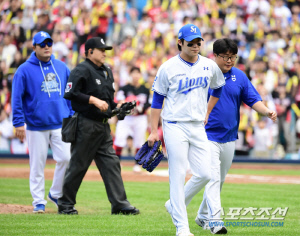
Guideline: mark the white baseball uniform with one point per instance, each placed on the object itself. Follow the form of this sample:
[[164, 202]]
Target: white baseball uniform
[[185, 88]]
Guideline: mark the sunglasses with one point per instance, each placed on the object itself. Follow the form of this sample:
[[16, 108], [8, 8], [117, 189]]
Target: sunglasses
[[192, 44], [43, 44]]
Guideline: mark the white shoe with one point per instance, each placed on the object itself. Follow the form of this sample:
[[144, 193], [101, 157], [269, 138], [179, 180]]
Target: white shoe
[[184, 232], [137, 168], [203, 223], [218, 230]]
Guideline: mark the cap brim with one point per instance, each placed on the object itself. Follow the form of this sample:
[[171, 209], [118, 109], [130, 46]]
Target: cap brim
[[106, 48], [192, 37], [44, 40]]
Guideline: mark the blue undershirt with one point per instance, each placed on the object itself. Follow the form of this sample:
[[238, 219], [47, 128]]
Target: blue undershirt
[[157, 100]]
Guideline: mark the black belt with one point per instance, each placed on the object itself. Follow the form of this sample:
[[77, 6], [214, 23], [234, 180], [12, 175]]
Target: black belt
[[104, 120]]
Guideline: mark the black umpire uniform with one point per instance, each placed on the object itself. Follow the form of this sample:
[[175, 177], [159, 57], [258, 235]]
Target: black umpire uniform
[[93, 139]]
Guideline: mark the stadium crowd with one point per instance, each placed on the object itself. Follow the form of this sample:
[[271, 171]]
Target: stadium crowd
[[143, 34]]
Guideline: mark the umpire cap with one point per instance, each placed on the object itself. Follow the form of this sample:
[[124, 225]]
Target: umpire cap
[[96, 42]]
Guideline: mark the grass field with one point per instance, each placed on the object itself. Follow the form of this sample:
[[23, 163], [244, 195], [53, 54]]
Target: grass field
[[95, 219], [283, 172]]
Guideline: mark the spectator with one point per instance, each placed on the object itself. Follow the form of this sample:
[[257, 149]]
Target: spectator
[[9, 51], [6, 132], [44, 23], [136, 124], [263, 141]]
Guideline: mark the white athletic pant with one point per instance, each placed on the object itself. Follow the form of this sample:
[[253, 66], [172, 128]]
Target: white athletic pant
[[221, 160], [185, 142], [38, 143], [134, 126]]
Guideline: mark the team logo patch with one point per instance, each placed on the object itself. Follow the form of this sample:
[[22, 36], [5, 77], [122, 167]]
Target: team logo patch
[[102, 41], [50, 84], [98, 81], [68, 87], [43, 34], [233, 77], [193, 29]]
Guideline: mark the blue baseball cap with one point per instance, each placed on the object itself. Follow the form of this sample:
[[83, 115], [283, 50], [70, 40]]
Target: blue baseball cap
[[40, 37], [189, 32]]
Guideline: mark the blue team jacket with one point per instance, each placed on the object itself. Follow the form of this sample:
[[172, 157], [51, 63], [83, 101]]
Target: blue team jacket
[[223, 121], [37, 94]]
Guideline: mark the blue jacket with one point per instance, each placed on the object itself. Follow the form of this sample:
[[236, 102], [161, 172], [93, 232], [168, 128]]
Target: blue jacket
[[37, 94]]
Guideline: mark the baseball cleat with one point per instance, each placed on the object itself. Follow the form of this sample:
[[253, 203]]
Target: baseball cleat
[[51, 199], [39, 208], [218, 230], [203, 223]]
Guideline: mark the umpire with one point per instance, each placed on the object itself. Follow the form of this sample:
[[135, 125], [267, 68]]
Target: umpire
[[91, 90]]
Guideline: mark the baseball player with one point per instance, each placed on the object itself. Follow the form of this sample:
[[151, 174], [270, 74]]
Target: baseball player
[[38, 100], [222, 128], [183, 82], [134, 125]]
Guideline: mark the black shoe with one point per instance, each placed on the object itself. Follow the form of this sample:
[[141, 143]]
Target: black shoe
[[127, 211], [68, 211]]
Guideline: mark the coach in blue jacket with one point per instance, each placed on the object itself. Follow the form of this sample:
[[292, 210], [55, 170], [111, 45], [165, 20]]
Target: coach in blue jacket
[[37, 100]]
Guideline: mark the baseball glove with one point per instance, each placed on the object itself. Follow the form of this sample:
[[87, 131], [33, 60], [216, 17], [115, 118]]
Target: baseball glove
[[124, 110], [150, 157]]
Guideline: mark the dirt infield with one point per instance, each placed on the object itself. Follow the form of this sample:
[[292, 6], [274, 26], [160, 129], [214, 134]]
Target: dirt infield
[[130, 176], [159, 175]]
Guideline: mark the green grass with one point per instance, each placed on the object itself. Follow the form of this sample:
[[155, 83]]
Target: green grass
[[94, 210], [264, 172]]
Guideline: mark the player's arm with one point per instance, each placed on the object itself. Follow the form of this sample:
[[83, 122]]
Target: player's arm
[[262, 109], [251, 97], [210, 105], [213, 99], [156, 108], [18, 89]]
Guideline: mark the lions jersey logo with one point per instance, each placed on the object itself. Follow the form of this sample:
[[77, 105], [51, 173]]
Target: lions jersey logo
[[50, 84], [186, 85]]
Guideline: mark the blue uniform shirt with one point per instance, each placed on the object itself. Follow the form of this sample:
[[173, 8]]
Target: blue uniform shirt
[[223, 122]]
